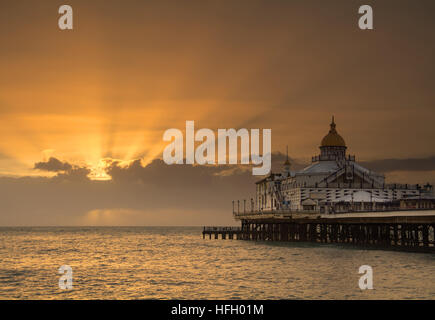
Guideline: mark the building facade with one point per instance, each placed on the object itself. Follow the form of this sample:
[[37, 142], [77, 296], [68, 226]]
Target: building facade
[[335, 182]]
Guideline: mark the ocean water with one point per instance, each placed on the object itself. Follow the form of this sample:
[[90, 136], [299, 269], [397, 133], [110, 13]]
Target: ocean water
[[176, 263]]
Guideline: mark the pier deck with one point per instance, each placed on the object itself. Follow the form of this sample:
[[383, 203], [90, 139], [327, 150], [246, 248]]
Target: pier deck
[[224, 232]]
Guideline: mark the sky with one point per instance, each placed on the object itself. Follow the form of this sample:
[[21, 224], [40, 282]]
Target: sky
[[83, 111]]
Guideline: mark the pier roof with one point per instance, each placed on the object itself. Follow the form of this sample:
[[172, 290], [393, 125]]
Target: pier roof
[[320, 167]]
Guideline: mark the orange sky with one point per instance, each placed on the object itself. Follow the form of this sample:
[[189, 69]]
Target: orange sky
[[131, 69], [95, 99]]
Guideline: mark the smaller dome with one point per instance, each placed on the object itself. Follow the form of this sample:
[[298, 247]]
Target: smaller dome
[[333, 139]]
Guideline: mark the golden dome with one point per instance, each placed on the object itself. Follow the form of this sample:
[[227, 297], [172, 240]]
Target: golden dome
[[333, 139]]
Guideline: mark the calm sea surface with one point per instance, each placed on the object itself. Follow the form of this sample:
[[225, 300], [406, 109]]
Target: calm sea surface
[[176, 263]]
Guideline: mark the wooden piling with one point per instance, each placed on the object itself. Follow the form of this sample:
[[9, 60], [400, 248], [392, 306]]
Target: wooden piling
[[409, 235]]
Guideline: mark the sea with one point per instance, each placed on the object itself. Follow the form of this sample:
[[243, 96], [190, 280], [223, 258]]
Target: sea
[[177, 263]]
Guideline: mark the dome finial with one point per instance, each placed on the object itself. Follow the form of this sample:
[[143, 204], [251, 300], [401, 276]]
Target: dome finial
[[332, 125]]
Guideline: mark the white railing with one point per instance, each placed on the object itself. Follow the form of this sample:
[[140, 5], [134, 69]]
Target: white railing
[[275, 212]]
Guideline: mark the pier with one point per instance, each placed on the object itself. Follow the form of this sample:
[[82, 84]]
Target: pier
[[409, 231], [335, 200]]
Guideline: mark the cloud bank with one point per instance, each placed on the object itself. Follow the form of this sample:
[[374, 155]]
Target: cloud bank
[[153, 194]]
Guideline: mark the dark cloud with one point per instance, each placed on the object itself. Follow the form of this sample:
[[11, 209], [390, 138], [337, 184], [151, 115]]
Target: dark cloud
[[208, 181], [53, 165], [380, 165], [76, 173], [412, 164], [178, 175], [157, 194], [65, 170], [154, 194], [279, 158]]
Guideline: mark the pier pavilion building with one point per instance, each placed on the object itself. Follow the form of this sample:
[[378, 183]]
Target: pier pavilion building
[[335, 182]]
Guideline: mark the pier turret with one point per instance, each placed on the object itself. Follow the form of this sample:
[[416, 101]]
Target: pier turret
[[286, 167]]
